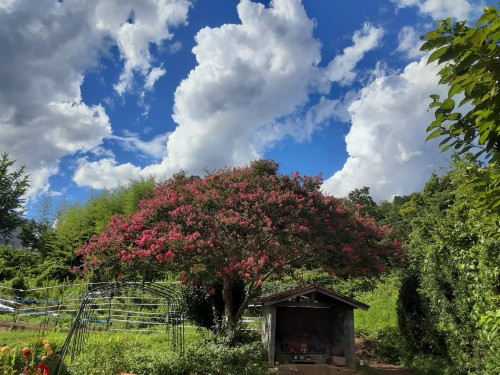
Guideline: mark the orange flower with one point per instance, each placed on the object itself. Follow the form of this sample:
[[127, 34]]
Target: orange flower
[[5, 349]]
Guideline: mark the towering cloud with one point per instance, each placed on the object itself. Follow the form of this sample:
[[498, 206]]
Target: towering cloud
[[386, 142]]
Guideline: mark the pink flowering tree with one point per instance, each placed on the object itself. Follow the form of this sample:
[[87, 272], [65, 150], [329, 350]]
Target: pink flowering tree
[[237, 224]]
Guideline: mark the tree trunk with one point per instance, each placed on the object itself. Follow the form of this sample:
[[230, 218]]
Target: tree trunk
[[227, 297]]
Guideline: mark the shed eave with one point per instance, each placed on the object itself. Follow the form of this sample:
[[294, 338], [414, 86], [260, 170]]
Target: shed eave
[[284, 296]]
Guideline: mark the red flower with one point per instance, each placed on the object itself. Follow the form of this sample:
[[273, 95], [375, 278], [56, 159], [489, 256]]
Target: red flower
[[45, 369], [26, 351]]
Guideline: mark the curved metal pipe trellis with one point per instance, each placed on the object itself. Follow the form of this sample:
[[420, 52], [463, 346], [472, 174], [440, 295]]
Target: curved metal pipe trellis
[[86, 317]]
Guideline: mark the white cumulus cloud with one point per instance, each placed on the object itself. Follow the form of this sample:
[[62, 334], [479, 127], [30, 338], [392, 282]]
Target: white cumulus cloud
[[409, 42], [250, 85], [341, 68], [439, 9], [386, 142], [104, 173], [47, 48], [155, 148]]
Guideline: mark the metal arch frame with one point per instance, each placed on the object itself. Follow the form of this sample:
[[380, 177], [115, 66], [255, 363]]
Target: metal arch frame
[[174, 319]]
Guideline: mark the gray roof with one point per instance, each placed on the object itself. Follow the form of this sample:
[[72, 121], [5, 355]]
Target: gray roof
[[308, 289]]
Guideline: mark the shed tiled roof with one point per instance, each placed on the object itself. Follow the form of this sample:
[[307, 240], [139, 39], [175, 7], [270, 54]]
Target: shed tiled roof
[[303, 290]]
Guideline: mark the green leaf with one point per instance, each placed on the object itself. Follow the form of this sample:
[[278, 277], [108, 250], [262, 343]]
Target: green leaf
[[483, 136], [430, 35], [454, 116], [464, 64], [451, 54], [445, 141], [437, 54], [479, 36], [448, 105], [456, 88], [465, 100], [436, 133], [436, 43]]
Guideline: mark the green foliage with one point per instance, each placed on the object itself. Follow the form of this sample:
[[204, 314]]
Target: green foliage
[[102, 356], [456, 260], [14, 261], [367, 205], [381, 316], [425, 364], [379, 323], [110, 354], [38, 236], [13, 185], [14, 362], [470, 56], [470, 67], [19, 287], [77, 223], [416, 322], [205, 306], [389, 348], [32, 265]]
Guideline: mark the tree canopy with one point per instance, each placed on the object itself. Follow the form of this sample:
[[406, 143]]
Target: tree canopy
[[241, 224], [471, 58], [13, 185], [470, 65]]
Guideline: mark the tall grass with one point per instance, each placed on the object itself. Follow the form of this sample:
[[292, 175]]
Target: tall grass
[[381, 316]]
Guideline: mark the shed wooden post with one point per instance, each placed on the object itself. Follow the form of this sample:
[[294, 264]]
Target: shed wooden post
[[269, 330], [348, 339]]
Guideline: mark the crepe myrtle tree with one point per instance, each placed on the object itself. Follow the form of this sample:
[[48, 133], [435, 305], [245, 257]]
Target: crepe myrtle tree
[[240, 224]]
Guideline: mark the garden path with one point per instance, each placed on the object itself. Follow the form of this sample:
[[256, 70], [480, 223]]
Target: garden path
[[387, 369]]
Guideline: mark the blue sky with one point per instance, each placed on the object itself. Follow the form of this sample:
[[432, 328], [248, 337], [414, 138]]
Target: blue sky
[[95, 93]]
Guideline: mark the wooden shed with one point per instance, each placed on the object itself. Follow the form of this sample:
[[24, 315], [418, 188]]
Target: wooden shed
[[310, 325]]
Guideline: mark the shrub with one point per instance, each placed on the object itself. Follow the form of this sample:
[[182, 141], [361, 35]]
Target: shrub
[[20, 287], [424, 364], [415, 320], [206, 309], [389, 347]]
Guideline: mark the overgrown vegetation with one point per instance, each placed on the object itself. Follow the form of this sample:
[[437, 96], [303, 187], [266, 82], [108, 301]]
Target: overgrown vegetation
[[437, 310], [108, 353]]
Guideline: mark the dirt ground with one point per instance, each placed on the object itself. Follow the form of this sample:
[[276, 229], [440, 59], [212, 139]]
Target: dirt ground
[[364, 352], [386, 369], [7, 325]]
